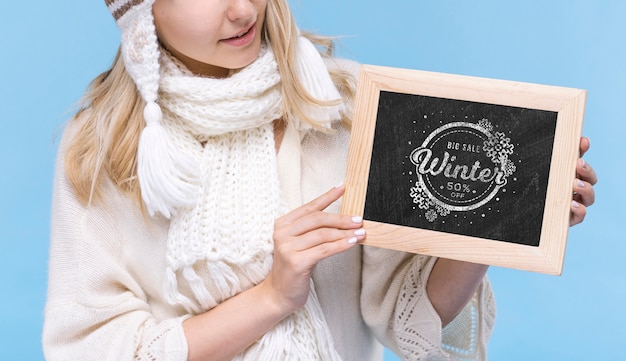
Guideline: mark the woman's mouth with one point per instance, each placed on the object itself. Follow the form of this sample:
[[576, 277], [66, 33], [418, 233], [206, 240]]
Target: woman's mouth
[[243, 38]]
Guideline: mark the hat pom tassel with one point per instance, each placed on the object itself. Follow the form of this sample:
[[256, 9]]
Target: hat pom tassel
[[314, 76], [166, 176]]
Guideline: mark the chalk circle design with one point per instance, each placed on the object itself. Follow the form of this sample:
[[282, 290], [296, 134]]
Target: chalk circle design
[[461, 166]]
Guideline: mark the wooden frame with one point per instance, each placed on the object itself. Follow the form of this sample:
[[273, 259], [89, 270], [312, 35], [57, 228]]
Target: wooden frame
[[568, 105]]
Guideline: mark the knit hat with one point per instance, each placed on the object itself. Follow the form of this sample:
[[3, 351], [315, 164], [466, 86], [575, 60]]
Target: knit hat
[[167, 177]]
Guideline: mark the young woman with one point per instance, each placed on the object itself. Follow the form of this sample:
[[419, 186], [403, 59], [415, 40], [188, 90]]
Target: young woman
[[195, 211]]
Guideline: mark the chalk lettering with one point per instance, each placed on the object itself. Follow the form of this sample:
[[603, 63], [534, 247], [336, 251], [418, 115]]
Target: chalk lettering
[[427, 164]]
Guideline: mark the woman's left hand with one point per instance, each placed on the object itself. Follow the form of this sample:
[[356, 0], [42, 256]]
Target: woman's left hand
[[586, 178]]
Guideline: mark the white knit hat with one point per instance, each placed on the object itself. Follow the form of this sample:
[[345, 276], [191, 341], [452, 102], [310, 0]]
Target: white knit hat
[[166, 176]]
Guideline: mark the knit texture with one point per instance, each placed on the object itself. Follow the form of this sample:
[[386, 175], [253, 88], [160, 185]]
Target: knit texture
[[167, 177], [223, 244], [139, 45]]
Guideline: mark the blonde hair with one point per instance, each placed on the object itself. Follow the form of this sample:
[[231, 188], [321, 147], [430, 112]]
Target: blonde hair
[[111, 115]]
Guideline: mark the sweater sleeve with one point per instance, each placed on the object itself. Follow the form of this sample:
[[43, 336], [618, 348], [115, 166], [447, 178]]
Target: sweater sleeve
[[395, 305], [96, 309]]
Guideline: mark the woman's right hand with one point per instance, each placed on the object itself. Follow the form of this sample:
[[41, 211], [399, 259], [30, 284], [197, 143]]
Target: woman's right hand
[[302, 238]]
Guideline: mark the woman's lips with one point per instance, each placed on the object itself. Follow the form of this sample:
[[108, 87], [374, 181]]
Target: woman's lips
[[244, 39]]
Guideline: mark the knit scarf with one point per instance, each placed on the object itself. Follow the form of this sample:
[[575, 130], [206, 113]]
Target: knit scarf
[[223, 244]]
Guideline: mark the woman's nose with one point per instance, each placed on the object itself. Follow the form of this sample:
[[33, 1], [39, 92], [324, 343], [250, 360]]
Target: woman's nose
[[240, 10]]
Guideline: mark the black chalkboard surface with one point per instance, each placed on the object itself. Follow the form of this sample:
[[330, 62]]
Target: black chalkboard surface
[[460, 167], [466, 168]]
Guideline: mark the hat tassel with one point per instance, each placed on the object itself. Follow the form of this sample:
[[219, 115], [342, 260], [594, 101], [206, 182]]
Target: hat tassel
[[166, 176]]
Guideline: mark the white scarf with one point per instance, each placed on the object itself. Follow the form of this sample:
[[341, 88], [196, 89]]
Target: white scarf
[[223, 244]]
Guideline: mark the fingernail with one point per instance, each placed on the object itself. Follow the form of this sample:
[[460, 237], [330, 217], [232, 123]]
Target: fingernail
[[575, 204], [352, 240], [584, 163], [339, 185], [580, 183], [359, 232], [357, 219]]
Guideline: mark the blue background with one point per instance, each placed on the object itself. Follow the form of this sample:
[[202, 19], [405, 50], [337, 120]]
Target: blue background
[[52, 49]]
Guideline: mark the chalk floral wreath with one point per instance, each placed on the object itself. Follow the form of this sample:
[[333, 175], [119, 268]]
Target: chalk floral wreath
[[496, 146]]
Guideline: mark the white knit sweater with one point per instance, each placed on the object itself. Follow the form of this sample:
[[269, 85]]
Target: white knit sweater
[[105, 300]]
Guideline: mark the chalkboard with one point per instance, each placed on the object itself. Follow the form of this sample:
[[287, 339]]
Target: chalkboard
[[460, 167], [467, 168]]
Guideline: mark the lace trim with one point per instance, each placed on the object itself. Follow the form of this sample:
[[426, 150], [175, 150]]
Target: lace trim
[[159, 342], [413, 320], [460, 336], [418, 331]]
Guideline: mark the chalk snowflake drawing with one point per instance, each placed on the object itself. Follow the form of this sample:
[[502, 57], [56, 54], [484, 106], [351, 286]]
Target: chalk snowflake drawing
[[498, 147], [431, 215], [485, 124], [461, 166], [509, 168], [442, 210], [420, 197]]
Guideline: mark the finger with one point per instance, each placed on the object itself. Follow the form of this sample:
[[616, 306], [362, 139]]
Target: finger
[[585, 172], [318, 237], [328, 249], [321, 220], [584, 193], [318, 204], [302, 260], [584, 146], [577, 213]]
